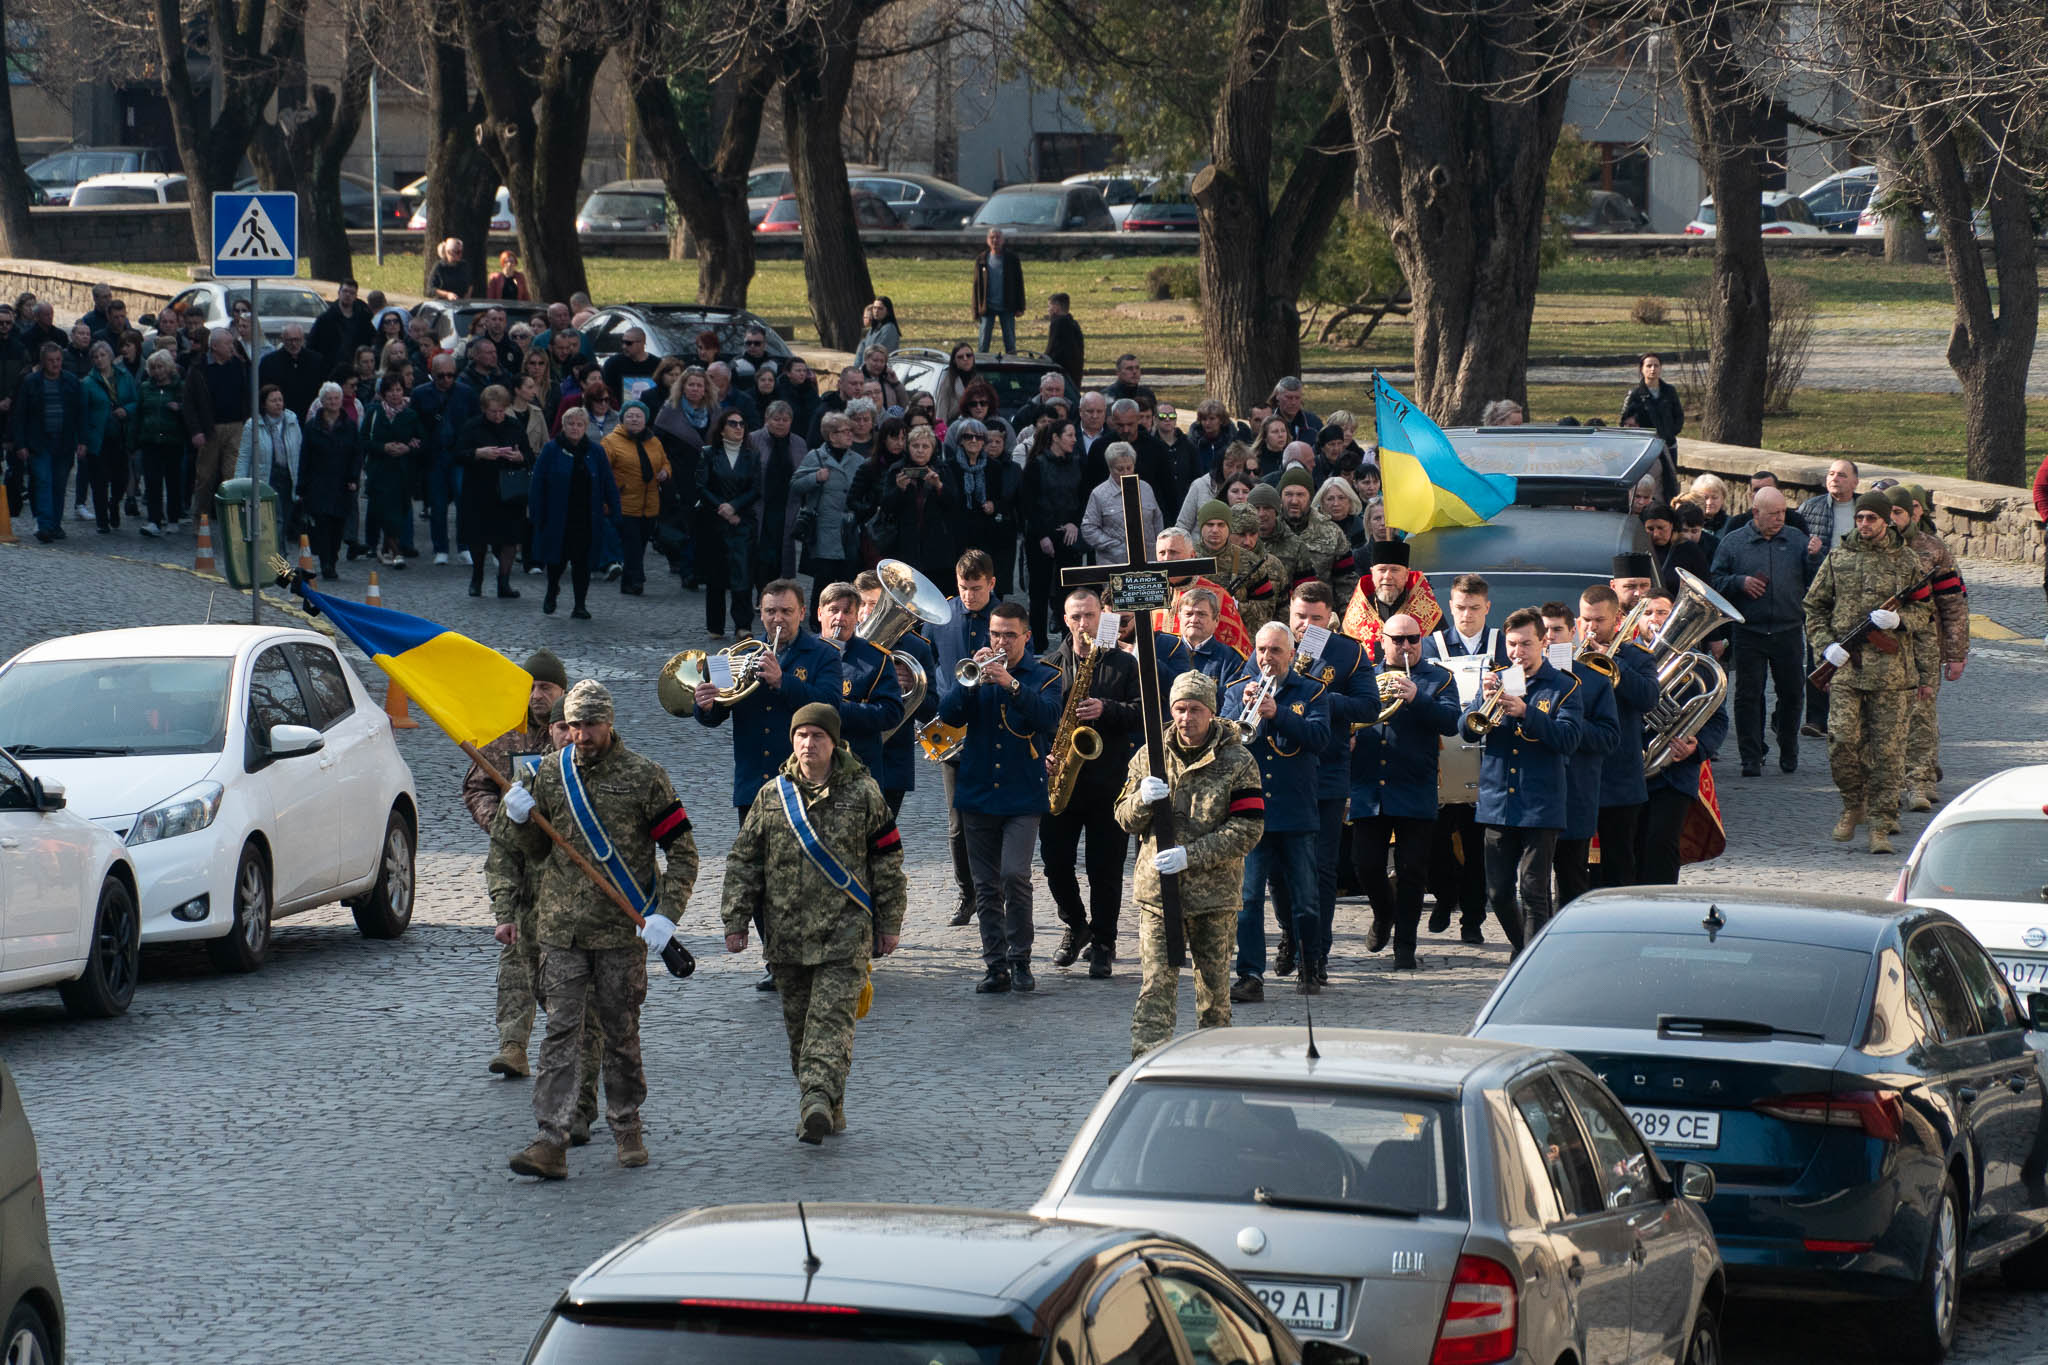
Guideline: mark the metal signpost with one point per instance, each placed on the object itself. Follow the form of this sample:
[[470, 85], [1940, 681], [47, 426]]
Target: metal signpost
[[255, 237]]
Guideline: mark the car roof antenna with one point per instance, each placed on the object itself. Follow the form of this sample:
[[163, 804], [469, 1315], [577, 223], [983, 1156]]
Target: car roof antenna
[[811, 1262], [1310, 1011], [1713, 923]]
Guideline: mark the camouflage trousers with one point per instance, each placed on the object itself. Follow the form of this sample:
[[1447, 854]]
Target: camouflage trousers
[[589, 988], [1923, 735], [1212, 937], [518, 970], [817, 1012], [1867, 746]]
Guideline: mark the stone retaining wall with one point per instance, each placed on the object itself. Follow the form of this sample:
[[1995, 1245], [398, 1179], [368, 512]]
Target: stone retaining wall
[[1979, 520]]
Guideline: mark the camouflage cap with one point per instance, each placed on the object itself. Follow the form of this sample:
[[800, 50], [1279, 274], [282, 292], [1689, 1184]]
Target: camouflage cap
[[1244, 518], [588, 703], [1194, 686]]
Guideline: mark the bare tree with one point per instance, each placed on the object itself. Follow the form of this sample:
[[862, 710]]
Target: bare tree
[[304, 149], [15, 239], [817, 53], [461, 182]]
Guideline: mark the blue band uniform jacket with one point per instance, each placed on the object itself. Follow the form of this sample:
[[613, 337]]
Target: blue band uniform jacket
[[1522, 767], [1635, 693], [1584, 770], [810, 672], [900, 757], [1394, 766], [1213, 657], [1354, 699], [870, 701], [1002, 764], [1288, 748], [1684, 775]]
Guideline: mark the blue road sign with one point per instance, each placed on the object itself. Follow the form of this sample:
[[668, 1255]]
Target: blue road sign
[[255, 236]]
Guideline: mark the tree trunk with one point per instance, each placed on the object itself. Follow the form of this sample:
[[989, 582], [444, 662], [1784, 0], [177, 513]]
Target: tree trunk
[[712, 200], [1458, 176], [817, 79], [1990, 349], [461, 183], [1905, 236], [1726, 115], [327, 248], [16, 237]]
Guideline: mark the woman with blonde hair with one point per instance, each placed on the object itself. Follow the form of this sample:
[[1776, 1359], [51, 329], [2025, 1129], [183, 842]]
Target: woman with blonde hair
[[1711, 493], [1340, 502]]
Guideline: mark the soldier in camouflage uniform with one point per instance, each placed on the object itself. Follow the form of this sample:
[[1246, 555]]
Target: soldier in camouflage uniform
[[1219, 813], [1868, 701], [1325, 550], [480, 798], [816, 938], [1254, 577], [592, 959], [1280, 543], [512, 881], [1951, 626]]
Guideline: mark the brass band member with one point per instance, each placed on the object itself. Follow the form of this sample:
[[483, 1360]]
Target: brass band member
[[870, 697], [1457, 864], [1622, 789], [962, 637], [1600, 737], [900, 758]]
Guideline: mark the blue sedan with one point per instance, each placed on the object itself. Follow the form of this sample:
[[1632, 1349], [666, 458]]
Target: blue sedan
[[1861, 1080]]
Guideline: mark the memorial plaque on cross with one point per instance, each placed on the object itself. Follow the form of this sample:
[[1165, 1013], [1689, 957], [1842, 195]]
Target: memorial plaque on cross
[[1138, 585]]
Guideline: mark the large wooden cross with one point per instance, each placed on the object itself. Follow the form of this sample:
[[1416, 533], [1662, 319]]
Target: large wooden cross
[[1132, 586]]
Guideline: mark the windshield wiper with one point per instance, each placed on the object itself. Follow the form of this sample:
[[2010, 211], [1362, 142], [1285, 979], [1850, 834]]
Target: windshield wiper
[[69, 750], [1703, 1026], [1275, 1200]]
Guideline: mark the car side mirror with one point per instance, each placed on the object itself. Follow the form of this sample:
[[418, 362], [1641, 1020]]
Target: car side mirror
[[1316, 1351], [1696, 1181], [1078, 220], [2037, 1011], [147, 319], [290, 741], [49, 793]]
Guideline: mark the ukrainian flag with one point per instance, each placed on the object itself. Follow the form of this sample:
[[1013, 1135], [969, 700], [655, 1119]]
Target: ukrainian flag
[[473, 692], [1424, 482]]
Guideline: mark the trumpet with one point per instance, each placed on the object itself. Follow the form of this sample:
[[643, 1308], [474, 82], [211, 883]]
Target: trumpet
[[968, 671], [1269, 683], [682, 674], [1482, 722]]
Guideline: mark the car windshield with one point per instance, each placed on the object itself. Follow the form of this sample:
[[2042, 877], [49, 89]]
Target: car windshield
[[285, 303], [1544, 454], [596, 1337], [1984, 860], [114, 194], [781, 211], [1024, 210], [622, 205], [1014, 386], [1706, 214], [1793, 988], [140, 706], [1219, 1143], [677, 331]]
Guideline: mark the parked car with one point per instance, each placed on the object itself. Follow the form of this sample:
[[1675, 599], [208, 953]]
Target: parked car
[[453, 318], [1163, 206], [1047, 208], [766, 184], [869, 211], [1984, 859], [59, 172], [1607, 211], [1784, 215], [1836, 201], [34, 1331], [501, 211], [246, 768], [359, 196], [922, 201], [1119, 188], [1856, 1073], [635, 206], [129, 187], [278, 305], [1014, 377], [672, 329], [67, 902], [856, 1283]]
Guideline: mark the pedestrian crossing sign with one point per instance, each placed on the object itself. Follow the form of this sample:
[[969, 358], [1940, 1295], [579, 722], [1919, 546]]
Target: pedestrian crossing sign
[[255, 236]]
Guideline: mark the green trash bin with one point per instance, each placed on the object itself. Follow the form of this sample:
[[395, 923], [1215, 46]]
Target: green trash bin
[[232, 516]]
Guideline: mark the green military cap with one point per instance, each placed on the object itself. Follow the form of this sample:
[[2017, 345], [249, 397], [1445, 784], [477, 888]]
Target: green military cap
[[1215, 509], [818, 713], [1297, 477], [1265, 495], [545, 667], [1899, 496], [1876, 503], [557, 714]]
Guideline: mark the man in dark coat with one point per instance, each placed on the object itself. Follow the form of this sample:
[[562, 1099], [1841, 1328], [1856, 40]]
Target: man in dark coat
[[1064, 344], [345, 325], [998, 291]]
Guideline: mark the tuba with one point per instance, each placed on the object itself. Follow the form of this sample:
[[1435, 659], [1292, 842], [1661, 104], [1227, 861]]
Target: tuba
[[681, 675], [908, 597], [1690, 685]]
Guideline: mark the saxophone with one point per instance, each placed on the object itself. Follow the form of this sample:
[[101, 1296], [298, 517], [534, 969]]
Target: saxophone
[[1074, 743]]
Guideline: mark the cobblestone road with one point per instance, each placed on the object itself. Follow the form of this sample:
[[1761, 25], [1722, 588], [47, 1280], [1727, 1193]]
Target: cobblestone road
[[307, 1164]]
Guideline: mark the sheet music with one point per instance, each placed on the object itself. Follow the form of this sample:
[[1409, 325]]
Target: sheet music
[[720, 666]]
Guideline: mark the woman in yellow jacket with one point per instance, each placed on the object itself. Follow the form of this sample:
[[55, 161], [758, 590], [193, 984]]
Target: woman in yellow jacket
[[640, 468]]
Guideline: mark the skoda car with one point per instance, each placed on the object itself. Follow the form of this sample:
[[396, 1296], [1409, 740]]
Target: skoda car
[[247, 770]]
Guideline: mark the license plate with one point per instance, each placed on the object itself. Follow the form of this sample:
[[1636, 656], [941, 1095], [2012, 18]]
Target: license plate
[[1678, 1127], [1317, 1307], [2024, 972]]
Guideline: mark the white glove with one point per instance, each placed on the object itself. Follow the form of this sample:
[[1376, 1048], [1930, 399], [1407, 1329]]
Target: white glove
[[1836, 655], [1152, 789], [1170, 860], [659, 930], [1884, 619], [518, 803]]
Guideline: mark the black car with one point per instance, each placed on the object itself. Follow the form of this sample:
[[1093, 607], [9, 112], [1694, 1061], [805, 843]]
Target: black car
[[1014, 377], [869, 1284], [1856, 1073], [1046, 208], [921, 201], [359, 197], [637, 206], [1607, 211], [672, 329]]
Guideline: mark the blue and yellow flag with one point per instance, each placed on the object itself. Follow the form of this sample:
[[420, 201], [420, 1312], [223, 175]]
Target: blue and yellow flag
[[470, 690], [1424, 482]]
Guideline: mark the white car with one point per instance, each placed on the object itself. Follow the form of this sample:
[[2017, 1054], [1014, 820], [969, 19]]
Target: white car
[[501, 211], [67, 900], [246, 768], [130, 187], [1984, 859], [1784, 215], [1120, 188]]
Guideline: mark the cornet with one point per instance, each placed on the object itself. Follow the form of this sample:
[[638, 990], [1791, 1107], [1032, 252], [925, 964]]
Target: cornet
[[1268, 684], [968, 671]]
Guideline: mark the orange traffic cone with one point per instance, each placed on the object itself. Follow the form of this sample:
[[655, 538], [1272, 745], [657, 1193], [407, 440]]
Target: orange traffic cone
[[398, 707], [202, 552], [373, 596], [306, 558], [6, 520]]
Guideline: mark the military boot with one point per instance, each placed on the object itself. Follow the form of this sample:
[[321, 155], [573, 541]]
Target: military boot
[[510, 1062], [838, 1119], [1920, 799], [632, 1151], [963, 913], [542, 1158], [579, 1131], [1880, 840], [815, 1122], [1845, 828], [1283, 957]]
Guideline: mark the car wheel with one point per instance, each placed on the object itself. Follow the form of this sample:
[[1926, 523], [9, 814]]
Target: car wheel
[[113, 959], [1703, 1347], [248, 938], [387, 910], [27, 1339], [1925, 1323]]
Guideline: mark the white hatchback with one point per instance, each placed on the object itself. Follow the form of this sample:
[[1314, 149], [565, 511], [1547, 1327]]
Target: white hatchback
[[1984, 859], [67, 900], [245, 767], [1784, 215]]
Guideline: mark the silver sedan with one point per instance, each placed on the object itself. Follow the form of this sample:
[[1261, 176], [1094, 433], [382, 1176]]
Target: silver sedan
[[1414, 1196]]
